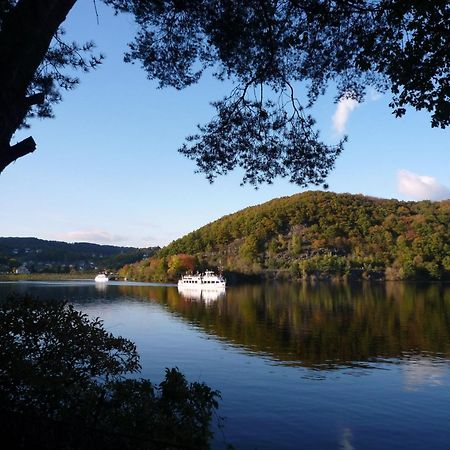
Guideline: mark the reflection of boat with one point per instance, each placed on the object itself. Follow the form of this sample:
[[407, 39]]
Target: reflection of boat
[[207, 280], [101, 278], [101, 287], [199, 293]]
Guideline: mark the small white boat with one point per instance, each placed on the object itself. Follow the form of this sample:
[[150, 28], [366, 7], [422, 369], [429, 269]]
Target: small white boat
[[207, 280], [101, 278]]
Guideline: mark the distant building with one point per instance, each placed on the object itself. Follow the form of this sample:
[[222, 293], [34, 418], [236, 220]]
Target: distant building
[[22, 270]]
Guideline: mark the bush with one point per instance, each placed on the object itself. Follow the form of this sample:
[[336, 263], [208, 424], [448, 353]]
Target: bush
[[63, 386]]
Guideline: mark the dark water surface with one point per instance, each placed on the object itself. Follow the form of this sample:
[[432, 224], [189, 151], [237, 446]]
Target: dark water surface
[[311, 367]]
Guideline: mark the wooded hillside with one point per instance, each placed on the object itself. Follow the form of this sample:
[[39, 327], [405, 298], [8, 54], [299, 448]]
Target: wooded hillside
[[39, 255], [315, 234]]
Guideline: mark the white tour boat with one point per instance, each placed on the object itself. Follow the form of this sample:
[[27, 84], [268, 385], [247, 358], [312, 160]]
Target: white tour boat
[[101, 278], [207, 280]]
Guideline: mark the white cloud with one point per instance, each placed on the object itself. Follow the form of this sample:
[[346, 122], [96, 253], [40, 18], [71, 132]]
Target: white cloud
[[344, 107], [93, 235], [421, 187]]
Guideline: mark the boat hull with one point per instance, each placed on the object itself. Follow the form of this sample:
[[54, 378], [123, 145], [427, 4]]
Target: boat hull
[[101, 279], [199, 285]]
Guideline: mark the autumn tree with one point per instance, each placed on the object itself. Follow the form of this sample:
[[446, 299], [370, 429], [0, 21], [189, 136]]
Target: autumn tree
[[269, 49], [321, 233]]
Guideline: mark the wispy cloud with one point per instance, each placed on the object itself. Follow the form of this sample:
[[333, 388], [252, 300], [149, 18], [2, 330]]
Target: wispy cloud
[[344, 107], [374, 95], [421, 187], [93, 235]]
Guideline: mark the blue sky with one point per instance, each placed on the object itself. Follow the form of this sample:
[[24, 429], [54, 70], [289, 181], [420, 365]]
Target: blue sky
[[107, 169]]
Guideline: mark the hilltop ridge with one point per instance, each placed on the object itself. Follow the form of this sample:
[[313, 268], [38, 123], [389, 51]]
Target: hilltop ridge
[[315, 234], [29, 254]]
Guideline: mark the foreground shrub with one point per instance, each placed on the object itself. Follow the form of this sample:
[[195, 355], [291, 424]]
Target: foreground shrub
[[63, 386]]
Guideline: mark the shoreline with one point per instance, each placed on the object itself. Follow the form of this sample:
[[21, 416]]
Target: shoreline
[[235, 278], [47, 276]]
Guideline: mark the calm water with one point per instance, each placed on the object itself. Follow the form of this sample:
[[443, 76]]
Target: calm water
[[319, 367]]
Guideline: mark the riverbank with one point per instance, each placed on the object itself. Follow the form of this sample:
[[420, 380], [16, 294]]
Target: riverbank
[[47, 276]]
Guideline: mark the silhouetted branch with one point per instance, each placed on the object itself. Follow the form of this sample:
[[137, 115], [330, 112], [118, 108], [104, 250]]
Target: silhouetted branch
[[9, 154], [35, 99]]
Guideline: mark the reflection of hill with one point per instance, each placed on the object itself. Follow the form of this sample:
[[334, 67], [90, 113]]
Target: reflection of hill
[[323, 324]]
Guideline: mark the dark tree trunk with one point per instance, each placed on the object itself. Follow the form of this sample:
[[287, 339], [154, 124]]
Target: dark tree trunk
[[25, 37]]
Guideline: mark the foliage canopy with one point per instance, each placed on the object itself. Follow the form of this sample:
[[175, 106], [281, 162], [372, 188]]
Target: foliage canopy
[[316, 234], [266, 48]]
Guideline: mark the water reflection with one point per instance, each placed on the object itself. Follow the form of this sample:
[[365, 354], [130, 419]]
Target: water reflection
[[100, 287], [346, 439], [391, 340], [199, 294], [423, 372], [322, 326]]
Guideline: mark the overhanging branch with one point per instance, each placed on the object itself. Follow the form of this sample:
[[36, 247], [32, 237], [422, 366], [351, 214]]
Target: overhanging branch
[[9, 154], [35, 99]]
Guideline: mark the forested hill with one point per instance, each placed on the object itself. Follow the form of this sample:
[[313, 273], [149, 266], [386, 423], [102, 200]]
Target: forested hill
[[38, 255], [316, 234]]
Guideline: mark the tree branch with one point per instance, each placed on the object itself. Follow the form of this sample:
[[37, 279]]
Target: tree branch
[[25, 36], [9, 154], [35, 99]]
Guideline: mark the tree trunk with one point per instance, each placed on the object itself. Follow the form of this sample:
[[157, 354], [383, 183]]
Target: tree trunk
[[25, 37]]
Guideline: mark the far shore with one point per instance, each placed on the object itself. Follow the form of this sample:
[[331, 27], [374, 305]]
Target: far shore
[[47, 276], [233, 278]]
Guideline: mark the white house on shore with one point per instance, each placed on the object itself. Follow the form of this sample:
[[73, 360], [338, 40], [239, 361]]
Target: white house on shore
[[22, 270]]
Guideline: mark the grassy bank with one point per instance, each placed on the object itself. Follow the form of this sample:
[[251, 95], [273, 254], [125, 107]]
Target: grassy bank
[[47, 276]]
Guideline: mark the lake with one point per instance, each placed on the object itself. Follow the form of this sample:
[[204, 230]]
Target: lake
[[361, 366]]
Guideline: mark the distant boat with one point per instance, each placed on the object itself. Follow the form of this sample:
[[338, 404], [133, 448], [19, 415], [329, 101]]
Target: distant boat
[[207, 280], [101, 278]]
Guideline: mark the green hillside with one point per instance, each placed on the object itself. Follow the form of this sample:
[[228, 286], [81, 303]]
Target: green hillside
[[315, 234], [39, 255]]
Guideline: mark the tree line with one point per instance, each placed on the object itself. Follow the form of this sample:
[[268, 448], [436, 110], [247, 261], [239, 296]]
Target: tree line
[[42, 256]]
